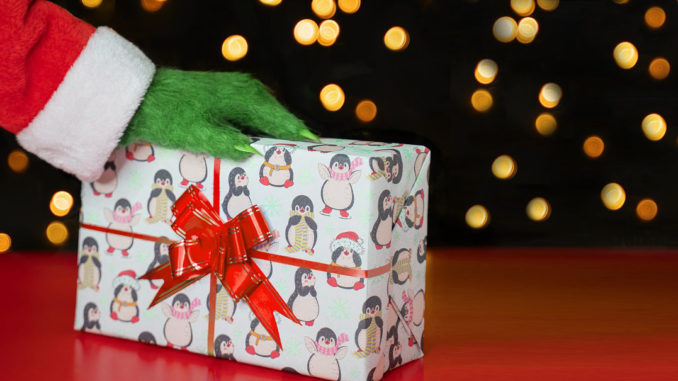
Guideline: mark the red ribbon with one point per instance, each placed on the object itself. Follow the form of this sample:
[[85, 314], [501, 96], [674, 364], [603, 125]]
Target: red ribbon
[[210, 246]]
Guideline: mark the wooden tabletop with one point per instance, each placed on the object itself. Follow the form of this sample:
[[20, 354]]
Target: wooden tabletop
[[491, 314]]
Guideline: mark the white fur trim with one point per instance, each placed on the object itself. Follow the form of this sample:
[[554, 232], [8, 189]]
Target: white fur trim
[[126, 279], [84, 119], [348, 243]]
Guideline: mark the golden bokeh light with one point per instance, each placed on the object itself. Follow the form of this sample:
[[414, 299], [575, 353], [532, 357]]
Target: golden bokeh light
[[366, 110], [396, 38], [655, 17], [56, 232], [306, 31], [92, 3], [527, 30], [152, 5], [548, 5], [486, 71], [522, 7], [550, 94], [654, 127], [613, 196], [593, 146], [17, 161], [349, 6], [546, 124], [505, 29], [328, 32], [324, 8], [647, 209], [332, 97], [61, 203], [625, 55], [477, 217], [659, 68], [504, 167], [270, 3], [620, 1], [5, 242], [538, 209], [234, 47], [481, 100]]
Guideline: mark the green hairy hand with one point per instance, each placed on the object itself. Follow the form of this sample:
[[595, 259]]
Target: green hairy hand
[[206, 112]]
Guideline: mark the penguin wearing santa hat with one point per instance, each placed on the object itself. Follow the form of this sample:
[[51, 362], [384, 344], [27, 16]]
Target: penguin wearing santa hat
[[124, 306], [346, 251]]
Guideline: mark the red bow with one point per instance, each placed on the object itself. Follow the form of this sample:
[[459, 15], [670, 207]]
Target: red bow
[[213, 247]]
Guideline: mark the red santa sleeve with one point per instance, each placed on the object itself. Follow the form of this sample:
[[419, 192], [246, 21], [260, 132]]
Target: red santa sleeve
[[67, 89]]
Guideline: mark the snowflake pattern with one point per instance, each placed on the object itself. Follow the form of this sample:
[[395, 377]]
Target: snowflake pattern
[[270, 205], [339, 308], [293, 347]]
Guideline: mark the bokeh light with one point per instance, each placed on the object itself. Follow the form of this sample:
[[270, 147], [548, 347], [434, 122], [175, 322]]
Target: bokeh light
[[91, 3], [505, 29], [486, 71], [527, 30], [324, 8], [349, 6], [332, 97], [655, 17], [61, 203], [306, 31], [152, 5], [659, 68], [396, 38], [366, 110], [546, 124], [5, 242], [17, 161], [522, 7], [654, 127], [477, 217], [548, 5], [593, 146], [271, 3], [328, 32], [234, 47], [538, 209], [56, 232], [625, 54], [504, 167], [613, 196], [647, 209], [550, 94], [481, 100]]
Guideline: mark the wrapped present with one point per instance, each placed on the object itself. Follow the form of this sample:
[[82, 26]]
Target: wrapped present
[[310, 259]]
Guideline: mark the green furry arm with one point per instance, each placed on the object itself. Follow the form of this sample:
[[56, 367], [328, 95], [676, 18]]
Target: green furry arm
[[205, 112]]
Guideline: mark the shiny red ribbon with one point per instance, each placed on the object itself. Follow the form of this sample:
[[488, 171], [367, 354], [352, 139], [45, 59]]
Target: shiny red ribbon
[[210, 246]]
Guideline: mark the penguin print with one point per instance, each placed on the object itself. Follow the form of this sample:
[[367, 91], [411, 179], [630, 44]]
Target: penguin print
[[401, 268], [303, 301], [122, 217], [89, 266], [193, 168], [141, 151], [178, 330], [108, 180], [414, 211], [412, 310], [388, 167], [395, 349], [91, 316], [301, 232], [383, 226], [346, 251], [421, 251], [326, 351], [419, 160], [124, 305], [377, 373], [147, 338], [162, 197], [160, 256], [258, 342], [325, 148], [277, 168], [226, 306], [368, 334], [418, 303], [367, 143], [224, 348], [337, 190], [238, 197], [396, 166]]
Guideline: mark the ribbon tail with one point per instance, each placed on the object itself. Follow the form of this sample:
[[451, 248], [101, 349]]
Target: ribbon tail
[[263, 301], [169, 286]]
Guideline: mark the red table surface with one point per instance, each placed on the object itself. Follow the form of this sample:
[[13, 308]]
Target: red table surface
[[491, 314]]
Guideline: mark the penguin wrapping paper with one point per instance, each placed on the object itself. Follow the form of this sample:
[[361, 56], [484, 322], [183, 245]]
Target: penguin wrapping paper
[[334, 208]]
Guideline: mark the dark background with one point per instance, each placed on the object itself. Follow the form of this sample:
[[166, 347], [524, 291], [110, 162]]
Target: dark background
[[423, 96]]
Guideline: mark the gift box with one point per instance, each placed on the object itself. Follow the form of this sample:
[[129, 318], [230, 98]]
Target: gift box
[[331, 236]]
